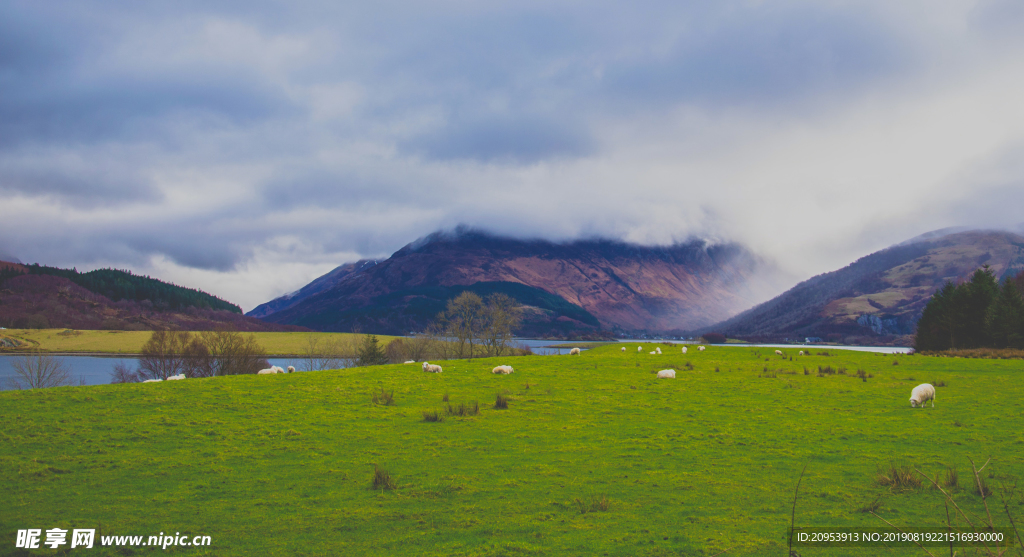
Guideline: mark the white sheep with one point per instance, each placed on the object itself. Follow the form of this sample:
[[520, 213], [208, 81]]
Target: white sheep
[[152, 380], [410, 361], [504, 370], [657, 349], [269, 371], [684, 350], [922, 394], [801, 353], [178, 377], [778, 352], [701, 348], [574, 352], [653, 352], [431, 368], [639, 348], [667, 374], [291, 369], [623, 348]]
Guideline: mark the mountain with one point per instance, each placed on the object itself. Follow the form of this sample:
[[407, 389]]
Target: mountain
[[878, 298], [34, 296], [566, 288], [317, 286]]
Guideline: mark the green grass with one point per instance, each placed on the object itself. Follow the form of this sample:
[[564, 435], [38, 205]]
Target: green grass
[[595, 457], [130, 342]]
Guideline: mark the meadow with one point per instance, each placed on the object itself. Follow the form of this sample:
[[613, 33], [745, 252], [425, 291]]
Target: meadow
[[592, 456], [130, 342]]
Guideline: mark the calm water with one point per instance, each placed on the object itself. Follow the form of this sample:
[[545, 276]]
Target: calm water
[[95, 370]]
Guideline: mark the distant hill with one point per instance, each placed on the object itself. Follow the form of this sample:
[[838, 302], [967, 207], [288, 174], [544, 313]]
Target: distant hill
[[568, 289], [878, 298], [35, 296]]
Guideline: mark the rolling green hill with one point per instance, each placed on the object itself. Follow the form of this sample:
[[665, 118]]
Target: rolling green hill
[[593, 456]]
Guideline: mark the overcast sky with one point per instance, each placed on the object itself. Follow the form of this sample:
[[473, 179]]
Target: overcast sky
[[247, 147]]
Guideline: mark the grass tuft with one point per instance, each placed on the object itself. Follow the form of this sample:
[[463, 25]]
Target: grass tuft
[[899, 477], [951, 479], [501, 402], [382, 479], [871, 507], [464, 409], [385, 398], [445, 397], [432, 416], [597, 503]]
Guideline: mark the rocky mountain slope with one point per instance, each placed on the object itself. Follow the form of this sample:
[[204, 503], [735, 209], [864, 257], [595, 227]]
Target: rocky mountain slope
[[567, 288], [878, 298]]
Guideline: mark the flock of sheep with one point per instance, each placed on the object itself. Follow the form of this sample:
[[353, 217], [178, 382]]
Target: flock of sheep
[[918, 397]]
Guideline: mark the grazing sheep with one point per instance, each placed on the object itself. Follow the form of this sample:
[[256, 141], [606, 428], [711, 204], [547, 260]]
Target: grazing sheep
[[623, 348], [801, 353], [504, 370], [657, 349], [152, 380], [410, 361], [778, 352], [701, 348], [639, 348], [684, 350], [574, 352], [667, 374], [431, 368], [653, 352], [176, 377], [269, 371], [922, 394]]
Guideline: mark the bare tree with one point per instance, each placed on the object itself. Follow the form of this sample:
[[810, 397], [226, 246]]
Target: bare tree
[[463, 319], [163, 355], [502, 316], [39, 370], [230, 353], [328, 352], [123, 373]]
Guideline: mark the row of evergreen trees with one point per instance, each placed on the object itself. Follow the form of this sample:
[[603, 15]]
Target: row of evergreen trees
[[979, 313], [123, 285]]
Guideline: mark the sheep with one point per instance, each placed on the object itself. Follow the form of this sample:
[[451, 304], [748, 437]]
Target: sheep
[[574, 352], [639, 348], [152, 380], [176, 377], [653, 352], [684, 350], [800, 353], [431, 368], [410, 361], [701, 348], [504, 370], [667, 374], [623, 348], [291, 369], [657, 349], [922, 394], [269, 371], [778, 352]]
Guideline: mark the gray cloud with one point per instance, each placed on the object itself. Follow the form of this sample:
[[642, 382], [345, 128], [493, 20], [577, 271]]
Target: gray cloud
[[224, 142]]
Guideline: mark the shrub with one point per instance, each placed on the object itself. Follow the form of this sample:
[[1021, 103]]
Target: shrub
[[714, 338]]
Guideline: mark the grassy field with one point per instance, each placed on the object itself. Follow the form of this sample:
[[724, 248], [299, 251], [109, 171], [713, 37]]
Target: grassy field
[[593, 456], [130, 342]]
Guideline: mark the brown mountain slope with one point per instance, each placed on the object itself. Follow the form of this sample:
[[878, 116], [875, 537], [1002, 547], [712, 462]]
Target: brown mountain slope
[[611, 285], [879, 297], [44, 301]]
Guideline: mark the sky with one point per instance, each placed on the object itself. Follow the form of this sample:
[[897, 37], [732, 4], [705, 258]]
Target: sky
[[245, 148]]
